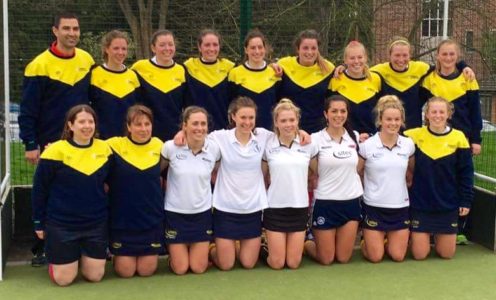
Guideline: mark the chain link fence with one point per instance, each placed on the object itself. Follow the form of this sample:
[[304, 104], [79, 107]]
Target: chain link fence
[[471, 23]]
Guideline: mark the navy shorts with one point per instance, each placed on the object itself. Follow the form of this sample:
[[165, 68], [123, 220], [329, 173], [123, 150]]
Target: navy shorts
[[188, 228], [434, 222], [234, 226], [137, 242], [385, 219], [330, 214], [65, 245], [286, 219]]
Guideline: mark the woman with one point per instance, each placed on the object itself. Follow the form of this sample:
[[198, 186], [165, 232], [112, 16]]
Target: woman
[[386, 164], [447, 82], [136, 198], [163, 84], [114, 88], [255, 79], [69, 201], [442, 181], [360, 87], [286, 163], [207, 78], [306, 79], [188, 200], [336, 212]]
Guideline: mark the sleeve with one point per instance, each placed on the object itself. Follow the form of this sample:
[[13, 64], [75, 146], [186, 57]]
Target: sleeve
[[475, 117], [45, 172], [465, 176], [166, 150], [232, 88], [461, 65], [362, 151], [32, 94]]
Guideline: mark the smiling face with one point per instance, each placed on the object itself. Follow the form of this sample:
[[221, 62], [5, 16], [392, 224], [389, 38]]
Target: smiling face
[[437, 115], [255, 50], [140, 129], [337, 114], [308, 51], [355, 58], [447, 56], [209, 47], [391, 121], [287, 123], [399, 57], [196, 127], [116, 52], [164, 48], [83, 128], [67, 34], [244, 119]]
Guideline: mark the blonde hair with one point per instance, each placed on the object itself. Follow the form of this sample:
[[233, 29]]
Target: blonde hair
[[442, 43], [385, 102], [312, 34], [285, 104], [449, 106], [357, 44], [398, 40]]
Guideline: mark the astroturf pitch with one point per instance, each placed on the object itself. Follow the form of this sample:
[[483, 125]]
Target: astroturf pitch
[[470, 275]]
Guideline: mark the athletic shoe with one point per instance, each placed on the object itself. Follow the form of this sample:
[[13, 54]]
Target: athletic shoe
[[39, 260], [461, 239]]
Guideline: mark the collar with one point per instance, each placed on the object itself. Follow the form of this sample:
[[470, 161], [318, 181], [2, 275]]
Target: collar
[[345, 137], [204, 149], [275, 142], [234, 140], [378, 143], [56, 52]]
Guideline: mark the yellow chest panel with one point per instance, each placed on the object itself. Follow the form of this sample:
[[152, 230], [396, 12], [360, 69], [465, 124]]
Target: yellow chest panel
[[301, 75], [209, 74], [163, 79], [140, 156], [118, 84]]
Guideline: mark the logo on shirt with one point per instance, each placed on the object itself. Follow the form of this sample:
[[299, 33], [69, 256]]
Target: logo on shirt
[[325, 147], [274, 150], [402, 155], [377, 155], [301, 151], [257, 148], [342, 154], [206, 159], [181, 156]]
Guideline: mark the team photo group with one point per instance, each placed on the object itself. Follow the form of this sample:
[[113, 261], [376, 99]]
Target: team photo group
[[217, 165]]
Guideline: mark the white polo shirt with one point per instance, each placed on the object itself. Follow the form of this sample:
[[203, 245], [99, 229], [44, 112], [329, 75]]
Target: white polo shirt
[[188, 178], [239, 187], [385, 171], [337, 167], [288, 168]]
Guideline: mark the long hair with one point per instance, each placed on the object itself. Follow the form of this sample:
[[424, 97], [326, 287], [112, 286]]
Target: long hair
[[347, 125], [312, 34], [284, 105], [71, 115]]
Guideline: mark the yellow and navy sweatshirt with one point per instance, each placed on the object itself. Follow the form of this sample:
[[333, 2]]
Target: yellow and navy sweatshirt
[[136, 198], [111, 94], [307, 87], [208, 88], [444, 172], [68, 185], [52, 85], [362, 95], [261, 85], [163, 91], [464, 95]]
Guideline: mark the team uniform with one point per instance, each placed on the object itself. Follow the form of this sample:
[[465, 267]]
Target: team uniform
[[442, 180], [52, 85], [385, 196], [288, 191], [239, 195], [362, 95], [464, 95], [261, 85], [339, 187], [163, 90], [188, 199], [307, 87], [69, 201], [208, 88], [111, 94], [406, 85], [136, 197]]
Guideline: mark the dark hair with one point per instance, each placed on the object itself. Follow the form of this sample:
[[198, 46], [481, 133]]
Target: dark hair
[[161, 32], [312, 34], [255, 33], [71, 115], [136, 111], [207, 31], [237, 104], [347, 126], [109, 37], [63, 15]]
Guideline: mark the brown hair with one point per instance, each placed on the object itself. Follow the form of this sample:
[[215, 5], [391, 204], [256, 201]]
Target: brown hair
[[109, 37], [237, 104], [385, 102], [255, 33], [159, 33], [135, 112], [205, 32], [188, 111], [312, 34], [285, 104], [71, 116], [449, 106]]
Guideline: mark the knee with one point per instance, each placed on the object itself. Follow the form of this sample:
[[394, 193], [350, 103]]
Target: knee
[[343, 259], [293, 263], [326, 261], [94, 275], [249, 264], [374, 257], [225, 266], [62, 280], [199, 268], [397, 257], [420, 255], [146, 271], [276, 263], [179, 269], [446, 254]]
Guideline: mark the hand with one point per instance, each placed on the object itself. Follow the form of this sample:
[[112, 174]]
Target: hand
[[339, 70], [305, 138], [32, 156], [463, 211], [180, 138], [363, 137], [476, 149], [277, 68], [468, 73], [40, 234]]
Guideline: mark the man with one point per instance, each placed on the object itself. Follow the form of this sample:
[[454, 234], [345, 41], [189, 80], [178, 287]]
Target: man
[[54, 81]]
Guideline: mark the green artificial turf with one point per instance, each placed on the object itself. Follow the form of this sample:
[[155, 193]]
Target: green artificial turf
[[470, 275]]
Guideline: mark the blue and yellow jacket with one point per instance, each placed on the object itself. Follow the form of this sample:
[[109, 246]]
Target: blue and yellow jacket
[[362, 95], [307, 87], [444, 172], [68, 185], [164, 92], [208, 88], [261, 85], [464, 95], [52, 85], [111, 94], [136, 198]]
